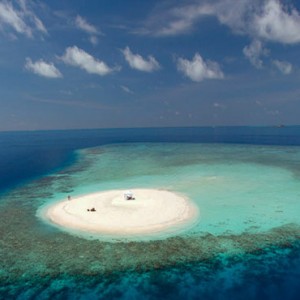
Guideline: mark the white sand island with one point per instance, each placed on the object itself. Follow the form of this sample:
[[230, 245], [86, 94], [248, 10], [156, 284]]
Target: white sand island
[[150, 211]]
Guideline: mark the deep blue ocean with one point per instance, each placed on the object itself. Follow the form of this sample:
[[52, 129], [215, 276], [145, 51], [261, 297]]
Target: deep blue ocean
[[26, 154], [27, 159]]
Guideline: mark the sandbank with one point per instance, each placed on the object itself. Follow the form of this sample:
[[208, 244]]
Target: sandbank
[[151, 211]]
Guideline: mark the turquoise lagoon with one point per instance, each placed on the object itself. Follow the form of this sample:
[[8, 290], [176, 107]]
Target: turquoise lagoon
[[249, 202], [236, 188]]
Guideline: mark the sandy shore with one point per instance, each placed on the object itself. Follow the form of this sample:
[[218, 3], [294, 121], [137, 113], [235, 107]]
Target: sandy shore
[[151, 211]]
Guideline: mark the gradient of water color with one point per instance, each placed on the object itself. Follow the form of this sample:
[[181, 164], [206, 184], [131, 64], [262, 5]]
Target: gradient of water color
[[245, 244]]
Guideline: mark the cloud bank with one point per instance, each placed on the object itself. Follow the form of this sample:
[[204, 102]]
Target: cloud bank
[[137, 62], [77, 57], [42, 68], [197, 69]]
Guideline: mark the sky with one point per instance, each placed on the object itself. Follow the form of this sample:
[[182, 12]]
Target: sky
[[160, 63]]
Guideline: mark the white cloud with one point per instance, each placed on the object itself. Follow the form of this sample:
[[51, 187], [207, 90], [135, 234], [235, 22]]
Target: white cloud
[[126, 89], [82, 24], [9, 16], [137, 62], [198, 69], [79, 58], [22, 20], [94, 40], [254, 51], [34, 19], [283, 66], [260, 19], [42, 68], [278, 23], [174, 21], [90, 29]]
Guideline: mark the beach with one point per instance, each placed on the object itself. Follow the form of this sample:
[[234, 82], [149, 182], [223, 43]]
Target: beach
[[110, 213], [246, 231]]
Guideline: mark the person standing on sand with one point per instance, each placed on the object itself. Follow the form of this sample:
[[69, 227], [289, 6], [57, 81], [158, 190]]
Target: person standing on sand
[[69, 197]]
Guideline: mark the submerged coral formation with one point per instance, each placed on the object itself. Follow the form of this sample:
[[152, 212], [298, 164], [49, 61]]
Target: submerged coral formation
[[248, 212]]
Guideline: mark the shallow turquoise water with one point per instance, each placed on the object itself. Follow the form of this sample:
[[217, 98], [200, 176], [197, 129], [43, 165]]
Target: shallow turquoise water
[[248, 197], [236, 188]]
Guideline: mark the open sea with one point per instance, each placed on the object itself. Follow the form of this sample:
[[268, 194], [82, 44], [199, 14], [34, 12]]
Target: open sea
[[244, 245]]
